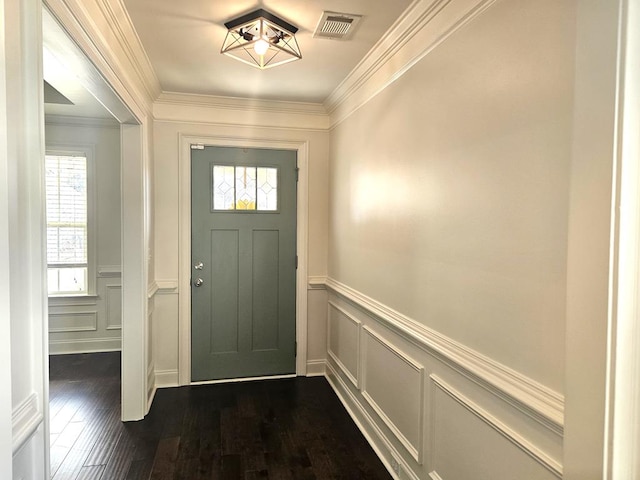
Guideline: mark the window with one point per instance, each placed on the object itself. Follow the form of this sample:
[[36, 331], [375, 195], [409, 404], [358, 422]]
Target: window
[[245, 188], [67, 202]]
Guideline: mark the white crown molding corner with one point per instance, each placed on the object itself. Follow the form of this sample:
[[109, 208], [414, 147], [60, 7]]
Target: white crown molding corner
[[132, 46], [25, 420], [423, 26], [530, 397]]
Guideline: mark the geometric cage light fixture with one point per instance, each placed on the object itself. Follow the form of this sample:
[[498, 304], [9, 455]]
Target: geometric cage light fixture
[[261, 39]]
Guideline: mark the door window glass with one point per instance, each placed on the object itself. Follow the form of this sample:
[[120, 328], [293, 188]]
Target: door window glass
[[245, 188]]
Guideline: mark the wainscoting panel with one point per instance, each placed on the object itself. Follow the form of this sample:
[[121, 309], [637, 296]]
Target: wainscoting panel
[[87, 324], [393, 385], [73, 322], [344, 342], [114, 307], [468, 442], [433, 409]]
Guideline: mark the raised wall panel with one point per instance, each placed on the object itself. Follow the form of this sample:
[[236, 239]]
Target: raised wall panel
[[114, 307], [344, 342], [393, 385], [73, 322], [468, 442]]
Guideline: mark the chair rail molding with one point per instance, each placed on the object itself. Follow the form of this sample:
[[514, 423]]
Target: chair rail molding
[[525, 394]]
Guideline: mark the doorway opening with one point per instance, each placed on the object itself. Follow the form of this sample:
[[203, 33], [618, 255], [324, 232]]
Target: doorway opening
[[98, 209]]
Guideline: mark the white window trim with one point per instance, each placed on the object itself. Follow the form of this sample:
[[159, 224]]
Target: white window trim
[[88, 151]]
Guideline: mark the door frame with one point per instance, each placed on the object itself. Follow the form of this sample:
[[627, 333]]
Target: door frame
[[68, 40], [184, 242]]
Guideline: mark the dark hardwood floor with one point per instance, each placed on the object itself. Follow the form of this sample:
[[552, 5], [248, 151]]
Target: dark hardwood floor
[[294, 429]]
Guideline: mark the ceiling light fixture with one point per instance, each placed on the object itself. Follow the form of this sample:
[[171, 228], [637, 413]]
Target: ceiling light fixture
[[261, 39]]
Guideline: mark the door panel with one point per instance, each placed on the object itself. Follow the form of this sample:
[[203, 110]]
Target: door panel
[[244, 234], [223, 291]]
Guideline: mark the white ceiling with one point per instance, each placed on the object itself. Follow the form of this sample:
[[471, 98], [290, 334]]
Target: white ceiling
[[183, 40]]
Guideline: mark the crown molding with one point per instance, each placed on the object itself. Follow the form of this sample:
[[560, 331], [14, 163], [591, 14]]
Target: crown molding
[[219, 110], [237, 103], [117, 14], [105, 36], [421, 28]]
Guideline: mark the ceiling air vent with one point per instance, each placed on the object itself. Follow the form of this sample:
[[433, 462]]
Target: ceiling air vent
[[338, 26]]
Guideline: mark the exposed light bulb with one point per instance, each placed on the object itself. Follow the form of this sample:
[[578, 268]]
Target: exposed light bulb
[[261, 46]]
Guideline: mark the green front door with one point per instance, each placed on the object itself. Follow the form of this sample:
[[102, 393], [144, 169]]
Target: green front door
[[243, 252]]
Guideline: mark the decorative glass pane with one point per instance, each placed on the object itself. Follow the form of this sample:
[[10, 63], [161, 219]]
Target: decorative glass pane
[[245, 188], [267, 189], [223, 187]]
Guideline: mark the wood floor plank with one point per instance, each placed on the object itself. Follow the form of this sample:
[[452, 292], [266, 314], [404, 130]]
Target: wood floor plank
[[90, 473], [119, 463], [139, 470], [291, 429], [165, 460], [104, 446], [71, 466]]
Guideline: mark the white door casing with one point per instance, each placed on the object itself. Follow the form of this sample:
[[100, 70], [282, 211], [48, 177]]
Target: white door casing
[[184, 274]]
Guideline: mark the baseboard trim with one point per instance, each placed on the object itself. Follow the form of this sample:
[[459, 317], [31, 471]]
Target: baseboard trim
[[523, 393], [316, 368], [166, 378], [84, 345]]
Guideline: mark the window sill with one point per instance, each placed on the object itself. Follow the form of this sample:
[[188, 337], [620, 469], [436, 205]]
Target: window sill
[[81, 299]]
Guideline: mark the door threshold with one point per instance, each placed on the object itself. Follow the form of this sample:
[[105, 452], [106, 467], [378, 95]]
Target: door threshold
[[247, 379]]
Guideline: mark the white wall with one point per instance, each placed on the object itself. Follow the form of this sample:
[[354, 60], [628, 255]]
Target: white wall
[[449, 206], [80, 325], [23, 306], [206, 120], [449, 195]]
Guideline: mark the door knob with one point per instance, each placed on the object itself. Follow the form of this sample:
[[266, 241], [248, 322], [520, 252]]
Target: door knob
[[198, 282]]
